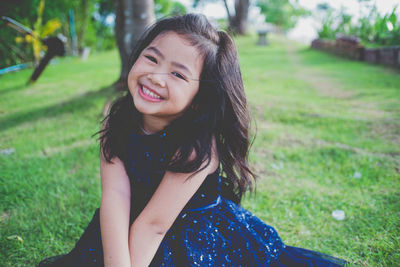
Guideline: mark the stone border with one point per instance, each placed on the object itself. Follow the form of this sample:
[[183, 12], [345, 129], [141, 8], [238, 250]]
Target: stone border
[[350, 47]]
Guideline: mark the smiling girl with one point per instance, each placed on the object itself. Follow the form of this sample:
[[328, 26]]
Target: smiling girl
[[174, 163]]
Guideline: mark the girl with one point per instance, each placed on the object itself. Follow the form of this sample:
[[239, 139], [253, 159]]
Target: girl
[[164, 148]]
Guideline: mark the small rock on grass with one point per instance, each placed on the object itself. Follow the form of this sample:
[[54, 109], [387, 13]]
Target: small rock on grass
[[277, 166], [338, 215], [7, 151]]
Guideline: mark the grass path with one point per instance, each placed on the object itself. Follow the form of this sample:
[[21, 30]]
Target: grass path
[[336, 89], [328, 137], [323, 121]]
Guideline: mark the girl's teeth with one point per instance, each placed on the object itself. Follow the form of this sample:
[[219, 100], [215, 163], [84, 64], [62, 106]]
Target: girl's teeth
[[150, 93]]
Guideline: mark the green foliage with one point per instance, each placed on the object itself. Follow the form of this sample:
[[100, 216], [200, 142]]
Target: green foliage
[[92, 28], [387, 28], [332, 22], [90, 34], [372, 28], [10, 52], [83, 10], [164, 8], [100, 33], [320, 119], [26, 13], [39, 32], [282, 13], [327, 30], [365, 30]]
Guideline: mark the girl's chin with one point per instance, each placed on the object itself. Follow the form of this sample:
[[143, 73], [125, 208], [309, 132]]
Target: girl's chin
[[144, 106]]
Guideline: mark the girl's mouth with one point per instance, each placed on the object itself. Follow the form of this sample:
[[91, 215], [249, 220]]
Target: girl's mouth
[[148, 94]]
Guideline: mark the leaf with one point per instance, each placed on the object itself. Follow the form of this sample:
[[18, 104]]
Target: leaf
[[36, 48], [393, 17], [19, 40], [50, 27], [15, 237], [28, 38]]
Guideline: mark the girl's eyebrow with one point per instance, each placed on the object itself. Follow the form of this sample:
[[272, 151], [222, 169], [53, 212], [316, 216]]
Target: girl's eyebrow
[[176, 64]]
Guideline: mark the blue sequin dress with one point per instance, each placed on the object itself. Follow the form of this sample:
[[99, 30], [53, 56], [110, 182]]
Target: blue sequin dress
[[211, 230]]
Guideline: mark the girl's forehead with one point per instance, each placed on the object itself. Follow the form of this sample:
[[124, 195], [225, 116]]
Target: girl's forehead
[[171, 37]]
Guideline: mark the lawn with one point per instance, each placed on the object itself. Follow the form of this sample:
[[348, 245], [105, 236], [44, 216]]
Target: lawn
[[327, 138]]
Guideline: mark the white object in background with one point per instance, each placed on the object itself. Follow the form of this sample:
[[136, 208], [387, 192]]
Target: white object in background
[[338, 215], [278, 166], [7, 151], [85, 53]]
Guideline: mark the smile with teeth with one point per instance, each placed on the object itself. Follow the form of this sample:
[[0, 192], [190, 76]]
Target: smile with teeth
[[149, 93]]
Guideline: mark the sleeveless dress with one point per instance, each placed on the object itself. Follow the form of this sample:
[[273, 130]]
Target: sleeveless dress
[[211, 230]]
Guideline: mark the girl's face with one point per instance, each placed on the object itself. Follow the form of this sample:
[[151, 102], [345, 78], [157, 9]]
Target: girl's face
[[161, 80]]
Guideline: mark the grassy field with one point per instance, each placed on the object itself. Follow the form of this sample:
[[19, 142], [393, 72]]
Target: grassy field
[[328, 138]]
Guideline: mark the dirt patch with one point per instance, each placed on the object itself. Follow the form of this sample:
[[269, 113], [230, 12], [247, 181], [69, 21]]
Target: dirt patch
[[368, 110], [324, 85], [263, 153], [54, 150], [289, 141], [259, 169], [323, 143], [263, 170], [389, 130], [4, 216], [360, 110], [256, 111]]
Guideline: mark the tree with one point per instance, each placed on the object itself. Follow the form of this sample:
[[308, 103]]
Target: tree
[[237, 21], [282, 13], [82, 9], [132, 18]]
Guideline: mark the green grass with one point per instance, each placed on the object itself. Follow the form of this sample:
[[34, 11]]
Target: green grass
[[320, 119]]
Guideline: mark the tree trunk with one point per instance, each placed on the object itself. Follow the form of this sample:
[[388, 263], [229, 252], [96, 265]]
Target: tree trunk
[[83, 17], [132, 18], [228, 12], [238, 24]]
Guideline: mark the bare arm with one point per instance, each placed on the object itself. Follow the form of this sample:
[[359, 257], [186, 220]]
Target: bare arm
[[171, 196], [114, 213]]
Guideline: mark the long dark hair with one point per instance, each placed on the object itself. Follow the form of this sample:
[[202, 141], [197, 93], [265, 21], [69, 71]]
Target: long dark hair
[[218, 110]]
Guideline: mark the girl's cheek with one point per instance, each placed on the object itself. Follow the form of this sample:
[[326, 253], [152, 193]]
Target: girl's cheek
[[137, 70], [132, 73]]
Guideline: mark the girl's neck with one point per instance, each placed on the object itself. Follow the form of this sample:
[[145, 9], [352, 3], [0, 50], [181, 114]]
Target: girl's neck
[[151, 125]]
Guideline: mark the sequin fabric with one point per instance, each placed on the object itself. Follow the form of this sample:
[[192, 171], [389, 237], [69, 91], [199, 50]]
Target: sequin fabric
[[210, 230], [221, 235]]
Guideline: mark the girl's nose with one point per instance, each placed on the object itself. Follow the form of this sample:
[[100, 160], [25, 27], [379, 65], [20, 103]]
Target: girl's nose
[[157, 79]]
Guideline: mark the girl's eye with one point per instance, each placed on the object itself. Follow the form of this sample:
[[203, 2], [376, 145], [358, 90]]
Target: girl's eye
[[176, 74], [151, 58]]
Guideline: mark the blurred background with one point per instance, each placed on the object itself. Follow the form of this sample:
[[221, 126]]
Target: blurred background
[[323, 86], [99, 25]]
